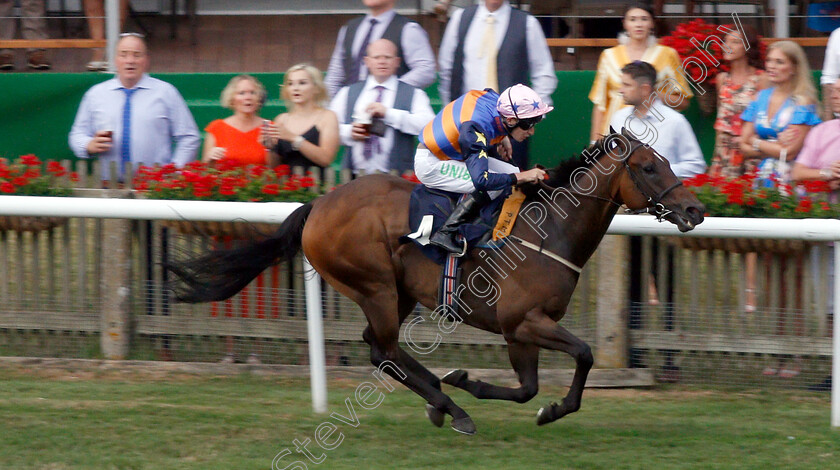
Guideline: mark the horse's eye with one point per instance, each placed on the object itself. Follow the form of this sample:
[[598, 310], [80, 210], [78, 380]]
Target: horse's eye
[[649, 168]]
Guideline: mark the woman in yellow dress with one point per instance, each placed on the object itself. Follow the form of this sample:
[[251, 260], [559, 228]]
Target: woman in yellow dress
[[637, 42]]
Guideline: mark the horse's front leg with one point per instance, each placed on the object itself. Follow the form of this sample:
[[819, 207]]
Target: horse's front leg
[[541, 330], [523, 357]]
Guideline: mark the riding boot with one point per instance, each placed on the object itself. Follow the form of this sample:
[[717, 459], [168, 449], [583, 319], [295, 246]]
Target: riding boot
[[464, 212]]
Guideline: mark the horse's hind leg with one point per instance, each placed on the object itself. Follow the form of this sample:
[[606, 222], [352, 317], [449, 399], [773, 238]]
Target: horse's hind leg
[[383, 337], [435, 415], [524, 358], [411, 364]]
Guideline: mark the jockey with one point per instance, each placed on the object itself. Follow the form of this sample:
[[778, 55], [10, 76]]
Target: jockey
[[458, 151]]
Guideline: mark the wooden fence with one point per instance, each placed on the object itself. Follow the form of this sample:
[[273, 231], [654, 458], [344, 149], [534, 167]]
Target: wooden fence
[[54, 282]]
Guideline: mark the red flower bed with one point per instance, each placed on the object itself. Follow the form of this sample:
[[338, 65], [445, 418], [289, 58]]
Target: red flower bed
[[748, 196], [226, 181], [28, 178], [680, 40]]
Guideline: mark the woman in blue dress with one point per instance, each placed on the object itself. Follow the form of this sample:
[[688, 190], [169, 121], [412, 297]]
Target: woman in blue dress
[[775, 126], [776, 122]]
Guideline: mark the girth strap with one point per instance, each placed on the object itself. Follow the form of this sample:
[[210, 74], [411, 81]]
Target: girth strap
[[551, 255]]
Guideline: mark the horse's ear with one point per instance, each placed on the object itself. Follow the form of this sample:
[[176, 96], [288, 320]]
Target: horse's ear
[[612, 131]]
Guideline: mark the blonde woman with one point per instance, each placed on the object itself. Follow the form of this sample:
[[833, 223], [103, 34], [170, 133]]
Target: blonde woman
[[776, 122], [775, 126], [636, 43], [239, 136], [306, 135]]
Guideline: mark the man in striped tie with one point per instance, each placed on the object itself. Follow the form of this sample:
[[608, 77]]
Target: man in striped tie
[[133, 118], [417, 60], [400, 107]]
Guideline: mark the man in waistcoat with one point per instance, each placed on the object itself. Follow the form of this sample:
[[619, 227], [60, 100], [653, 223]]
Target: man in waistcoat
[[492, 45], [404, 109], [417, 60]]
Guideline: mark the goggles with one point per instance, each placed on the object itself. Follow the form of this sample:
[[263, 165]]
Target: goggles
[[528, 123]]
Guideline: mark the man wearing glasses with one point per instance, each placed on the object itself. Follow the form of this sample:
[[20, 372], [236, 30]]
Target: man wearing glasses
[[133, 117], [462, 149]]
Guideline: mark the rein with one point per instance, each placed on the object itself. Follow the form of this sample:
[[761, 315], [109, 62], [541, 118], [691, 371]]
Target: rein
[[654, 207]]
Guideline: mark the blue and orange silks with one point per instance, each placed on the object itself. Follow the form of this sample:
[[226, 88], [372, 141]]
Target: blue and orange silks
[[468, 130]]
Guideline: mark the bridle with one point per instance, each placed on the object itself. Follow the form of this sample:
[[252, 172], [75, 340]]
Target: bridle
[[655, 206]]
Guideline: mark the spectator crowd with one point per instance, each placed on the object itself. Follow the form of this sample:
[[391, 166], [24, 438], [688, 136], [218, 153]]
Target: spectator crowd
[[371, 100]]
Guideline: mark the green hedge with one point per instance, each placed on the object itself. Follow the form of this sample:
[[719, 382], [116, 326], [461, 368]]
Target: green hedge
[[39, 109]]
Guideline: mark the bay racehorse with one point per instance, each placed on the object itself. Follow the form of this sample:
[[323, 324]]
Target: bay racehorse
[[351, 238]]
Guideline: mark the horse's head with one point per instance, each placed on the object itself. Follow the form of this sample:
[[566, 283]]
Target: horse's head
[[649, 185]]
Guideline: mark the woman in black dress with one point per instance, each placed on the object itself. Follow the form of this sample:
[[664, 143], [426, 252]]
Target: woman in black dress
[[306, 135]]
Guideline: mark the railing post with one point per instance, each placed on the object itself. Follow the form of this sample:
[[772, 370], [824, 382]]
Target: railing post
[[116, 282], [315, 330], [835, 358], [112, 30], [611, 324]]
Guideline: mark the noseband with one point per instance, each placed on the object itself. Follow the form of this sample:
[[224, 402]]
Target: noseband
[[655, 206]]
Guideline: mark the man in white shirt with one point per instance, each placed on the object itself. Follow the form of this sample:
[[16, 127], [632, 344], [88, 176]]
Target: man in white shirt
[[830, 71], [492, 45], [670, 134], [404, 109], [134, 117], [656, 124], [417, 67]]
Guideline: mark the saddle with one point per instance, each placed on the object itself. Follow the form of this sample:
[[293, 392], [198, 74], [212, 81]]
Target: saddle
[[429, 209]]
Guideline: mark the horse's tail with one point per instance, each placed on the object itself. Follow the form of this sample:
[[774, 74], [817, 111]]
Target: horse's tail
[[220, 274]]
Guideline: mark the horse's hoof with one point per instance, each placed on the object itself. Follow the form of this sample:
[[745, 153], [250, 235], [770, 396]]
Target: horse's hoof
[[454, 377], [546, 414], [434, 415], [464, 425]]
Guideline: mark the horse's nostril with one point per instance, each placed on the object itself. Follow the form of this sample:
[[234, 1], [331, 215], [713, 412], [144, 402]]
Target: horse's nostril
[[696, 213]]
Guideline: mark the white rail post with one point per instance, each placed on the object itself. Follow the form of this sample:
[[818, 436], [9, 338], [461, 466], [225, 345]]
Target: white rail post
[[112, 30], [782, 28], [315, 328], [835, 352]]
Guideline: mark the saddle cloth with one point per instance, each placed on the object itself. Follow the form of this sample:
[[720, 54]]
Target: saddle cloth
[[429, 209]]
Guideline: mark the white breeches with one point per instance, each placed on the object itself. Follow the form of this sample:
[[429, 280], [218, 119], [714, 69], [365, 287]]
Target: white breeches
[[452, 175]]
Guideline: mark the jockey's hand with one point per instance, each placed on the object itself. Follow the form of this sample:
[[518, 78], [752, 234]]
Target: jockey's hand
[[101, 142], [531, 176], [505, 149], [359, 132], [376, 110]]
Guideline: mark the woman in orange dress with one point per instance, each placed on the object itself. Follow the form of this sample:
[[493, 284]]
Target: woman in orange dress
[[239, 136]]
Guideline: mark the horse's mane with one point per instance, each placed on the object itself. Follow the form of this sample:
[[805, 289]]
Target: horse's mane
[[561, 175]]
